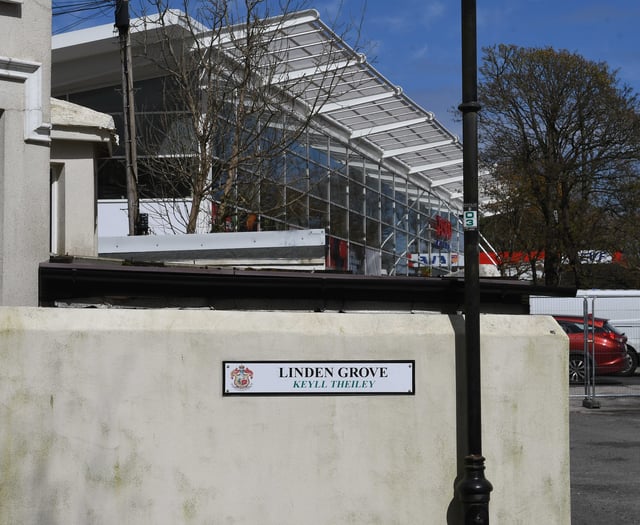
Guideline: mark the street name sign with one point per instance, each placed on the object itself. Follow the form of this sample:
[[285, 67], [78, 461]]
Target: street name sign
[[319, 377]]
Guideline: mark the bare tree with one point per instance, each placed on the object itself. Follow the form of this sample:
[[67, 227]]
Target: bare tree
[[230, 105], [560, 136]]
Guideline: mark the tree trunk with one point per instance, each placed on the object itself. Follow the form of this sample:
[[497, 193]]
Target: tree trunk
[[194, 212], [551, 268]]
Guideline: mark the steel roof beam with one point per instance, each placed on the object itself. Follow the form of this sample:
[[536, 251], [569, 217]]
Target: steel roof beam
[[389, 127], [435, 165], [313, 71], [436, 183], [419, 147], [337, 106]]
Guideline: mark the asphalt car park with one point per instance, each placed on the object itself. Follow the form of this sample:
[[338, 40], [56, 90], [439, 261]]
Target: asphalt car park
[[609, 387], [605, 457]]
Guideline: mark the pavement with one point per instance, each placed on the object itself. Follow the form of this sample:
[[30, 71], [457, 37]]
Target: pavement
[[605, 456]]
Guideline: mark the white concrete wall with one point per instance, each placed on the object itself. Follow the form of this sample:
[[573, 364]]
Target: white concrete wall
[[75, 191], [165, 217], [117, 416], [25, 58], [27, 30]]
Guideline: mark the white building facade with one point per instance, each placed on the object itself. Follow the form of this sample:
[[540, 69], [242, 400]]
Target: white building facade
[[78, 136], [24, 147]]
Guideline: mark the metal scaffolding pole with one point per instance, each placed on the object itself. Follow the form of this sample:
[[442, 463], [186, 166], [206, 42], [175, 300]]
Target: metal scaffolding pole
[[473, 489]]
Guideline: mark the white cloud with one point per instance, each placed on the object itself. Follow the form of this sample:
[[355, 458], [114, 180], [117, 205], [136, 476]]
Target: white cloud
[[433, 10], [420, 52], [411, 16]]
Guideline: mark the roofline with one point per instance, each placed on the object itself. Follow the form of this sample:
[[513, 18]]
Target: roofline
[[171, 17]]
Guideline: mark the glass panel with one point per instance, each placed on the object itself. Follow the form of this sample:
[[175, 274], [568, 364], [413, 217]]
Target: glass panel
[[165, 134], [400, 187], [168, 179], [442, 232], [157, 94], [338, 157], [356, 197], [400, 193], [387, 210], [356, 227], [388, 238], [373, 233], [296, 171], [338, 189], [247, 190], [373, 204], [273, 169], [297, 208], [337, 254], [386, 183], [412, 224], [402, 265], [356, 259], [401, 242], [400, 216], [112, 179], [318, 149], [373, 264], [248, 221], [338, 221], [105, 100], [271, 200], [387, 263], [422, 244], [372, 180], [299, 147], [356, 171], [318, 216], [318, 181]]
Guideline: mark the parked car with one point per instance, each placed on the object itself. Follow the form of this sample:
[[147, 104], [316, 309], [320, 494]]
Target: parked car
[[608, 351]]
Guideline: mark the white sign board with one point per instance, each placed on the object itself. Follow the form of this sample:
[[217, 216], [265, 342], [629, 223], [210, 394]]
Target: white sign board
[[318, 377], [470, 219]]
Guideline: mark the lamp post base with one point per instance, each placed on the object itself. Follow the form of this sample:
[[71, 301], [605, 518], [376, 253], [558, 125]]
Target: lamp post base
[[473, 490]]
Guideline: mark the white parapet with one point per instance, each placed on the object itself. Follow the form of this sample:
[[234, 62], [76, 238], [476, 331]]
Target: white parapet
[[281, 249], [120, 416]]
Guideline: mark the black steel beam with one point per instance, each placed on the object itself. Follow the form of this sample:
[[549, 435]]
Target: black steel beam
[[157, 286]]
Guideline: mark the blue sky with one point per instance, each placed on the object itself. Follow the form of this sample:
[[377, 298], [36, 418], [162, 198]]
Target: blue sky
[[415, 44], [418, 46]]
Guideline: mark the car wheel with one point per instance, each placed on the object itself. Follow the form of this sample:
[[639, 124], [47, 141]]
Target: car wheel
[[577, 369], [632, 362]]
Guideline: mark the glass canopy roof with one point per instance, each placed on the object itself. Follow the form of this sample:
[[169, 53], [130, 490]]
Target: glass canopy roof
[[361, 106], [325, 77]]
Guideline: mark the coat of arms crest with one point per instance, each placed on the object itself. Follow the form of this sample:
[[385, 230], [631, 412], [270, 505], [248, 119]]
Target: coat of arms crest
[[241, 377]]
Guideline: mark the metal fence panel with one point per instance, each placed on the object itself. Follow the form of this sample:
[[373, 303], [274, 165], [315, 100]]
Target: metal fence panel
[[622, 310]]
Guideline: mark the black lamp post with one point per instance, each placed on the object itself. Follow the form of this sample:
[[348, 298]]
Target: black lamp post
[[473, 489]]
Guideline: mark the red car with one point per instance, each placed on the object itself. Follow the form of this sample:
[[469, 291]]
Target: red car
[[608, 351]]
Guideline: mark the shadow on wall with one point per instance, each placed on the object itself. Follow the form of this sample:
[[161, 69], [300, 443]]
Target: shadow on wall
[[455, 511]]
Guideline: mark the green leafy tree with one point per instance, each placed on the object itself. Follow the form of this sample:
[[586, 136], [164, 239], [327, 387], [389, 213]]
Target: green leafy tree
[[561, 138]]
